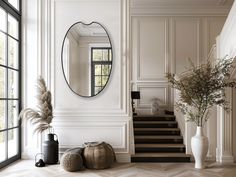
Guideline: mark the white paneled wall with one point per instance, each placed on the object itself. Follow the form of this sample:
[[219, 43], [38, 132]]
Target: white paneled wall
[[186, 42], [104, 117], [226, 124], [162, 44], [146, 44]]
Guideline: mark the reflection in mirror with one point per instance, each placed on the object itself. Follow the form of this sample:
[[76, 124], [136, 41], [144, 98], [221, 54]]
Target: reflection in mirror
[[86, 58]]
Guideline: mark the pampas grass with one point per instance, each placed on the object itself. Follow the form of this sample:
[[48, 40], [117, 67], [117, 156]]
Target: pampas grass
[[42, 117]]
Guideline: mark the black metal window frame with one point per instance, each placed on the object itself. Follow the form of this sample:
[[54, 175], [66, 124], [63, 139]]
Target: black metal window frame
[[94, 63], [9, 9]]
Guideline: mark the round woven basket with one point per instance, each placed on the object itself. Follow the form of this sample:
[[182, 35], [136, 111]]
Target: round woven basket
[[71, 162], [98, 155]]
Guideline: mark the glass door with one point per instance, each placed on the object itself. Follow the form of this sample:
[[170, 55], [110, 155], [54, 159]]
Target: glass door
[[9, 81]]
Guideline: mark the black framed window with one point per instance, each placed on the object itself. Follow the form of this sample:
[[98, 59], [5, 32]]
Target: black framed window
[[10, 74], [101, 58]]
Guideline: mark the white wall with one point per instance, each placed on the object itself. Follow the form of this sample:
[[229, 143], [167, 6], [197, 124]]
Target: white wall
[[104, 117], [162, 42], [234, 124], [31, 59], [226, 140], [73, 62]]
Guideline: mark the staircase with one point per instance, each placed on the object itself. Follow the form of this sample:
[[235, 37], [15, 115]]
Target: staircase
[[158, 139]]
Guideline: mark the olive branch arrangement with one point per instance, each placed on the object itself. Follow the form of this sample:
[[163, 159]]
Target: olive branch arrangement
[[201, 87]]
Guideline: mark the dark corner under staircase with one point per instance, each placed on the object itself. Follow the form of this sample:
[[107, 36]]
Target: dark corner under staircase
[[158, 139]]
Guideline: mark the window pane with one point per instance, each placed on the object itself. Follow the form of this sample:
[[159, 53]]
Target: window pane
[[9, 80], [12, 113], [105, 70], [97, 55], [12, 83], [97, 69], [110, 55], [105, 55], [97, 90], [2, 146], [2, 48], [2, 82], [2, 20], [104, 80], [2, 114], [12, 26], [12, 142], [98, 81], [14, 3], [12, 53]]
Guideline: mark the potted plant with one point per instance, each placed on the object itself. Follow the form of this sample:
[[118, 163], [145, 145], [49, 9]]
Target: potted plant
[[201, 87], [42, 118]]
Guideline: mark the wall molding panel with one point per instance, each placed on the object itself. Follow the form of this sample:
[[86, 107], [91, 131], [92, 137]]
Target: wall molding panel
[[183, 35], [162, 44], [105, 117], [118, 108], [157, 36], [226, 46], [186, 42], [85, 129], [148, 41], [145, 90]]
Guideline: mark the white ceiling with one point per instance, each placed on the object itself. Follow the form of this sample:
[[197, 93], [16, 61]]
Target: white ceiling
[[91, 30], [178, 3]]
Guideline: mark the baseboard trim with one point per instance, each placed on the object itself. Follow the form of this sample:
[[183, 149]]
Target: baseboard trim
[[123, 157], [225, 159]]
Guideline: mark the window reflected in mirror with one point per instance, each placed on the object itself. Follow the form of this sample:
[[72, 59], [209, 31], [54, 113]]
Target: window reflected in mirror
[[87, 58], [101, 66]]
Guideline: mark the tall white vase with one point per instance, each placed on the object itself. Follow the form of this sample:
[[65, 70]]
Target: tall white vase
[[199, 144]]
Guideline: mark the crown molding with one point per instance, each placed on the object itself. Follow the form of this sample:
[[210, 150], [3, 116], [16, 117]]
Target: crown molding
[[181, 8], [180, 3], [184, 11]]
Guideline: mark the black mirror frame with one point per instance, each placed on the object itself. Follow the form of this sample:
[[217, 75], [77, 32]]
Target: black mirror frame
[[62, 58]]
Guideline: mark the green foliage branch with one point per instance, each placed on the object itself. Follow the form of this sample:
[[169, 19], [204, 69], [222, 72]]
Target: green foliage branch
[[201, 87]]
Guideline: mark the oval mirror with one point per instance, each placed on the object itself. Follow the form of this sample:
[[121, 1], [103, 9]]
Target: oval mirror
[[86, 58]]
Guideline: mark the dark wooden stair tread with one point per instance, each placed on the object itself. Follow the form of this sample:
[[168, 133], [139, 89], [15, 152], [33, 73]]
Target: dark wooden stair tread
[[157, 137], [160, 155], [160, 145], [154, 118], [156, 129], [155, 122], [161, 115]]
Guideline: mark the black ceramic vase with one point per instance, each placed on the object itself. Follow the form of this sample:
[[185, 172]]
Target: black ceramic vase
[[50, 149]]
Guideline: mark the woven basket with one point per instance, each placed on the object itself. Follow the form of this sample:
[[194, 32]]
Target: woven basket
[[98, 155], [71, 162]]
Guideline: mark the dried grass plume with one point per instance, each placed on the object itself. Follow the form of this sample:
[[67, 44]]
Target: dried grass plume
[[42, 117]]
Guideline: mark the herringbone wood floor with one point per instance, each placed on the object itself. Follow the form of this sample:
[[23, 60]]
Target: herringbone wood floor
[[26, 168]]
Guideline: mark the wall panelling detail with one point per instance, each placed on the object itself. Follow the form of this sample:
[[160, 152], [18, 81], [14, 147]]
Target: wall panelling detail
[[186, 39], [86, 131], [215, 25], [162, 44], [152, 48]]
